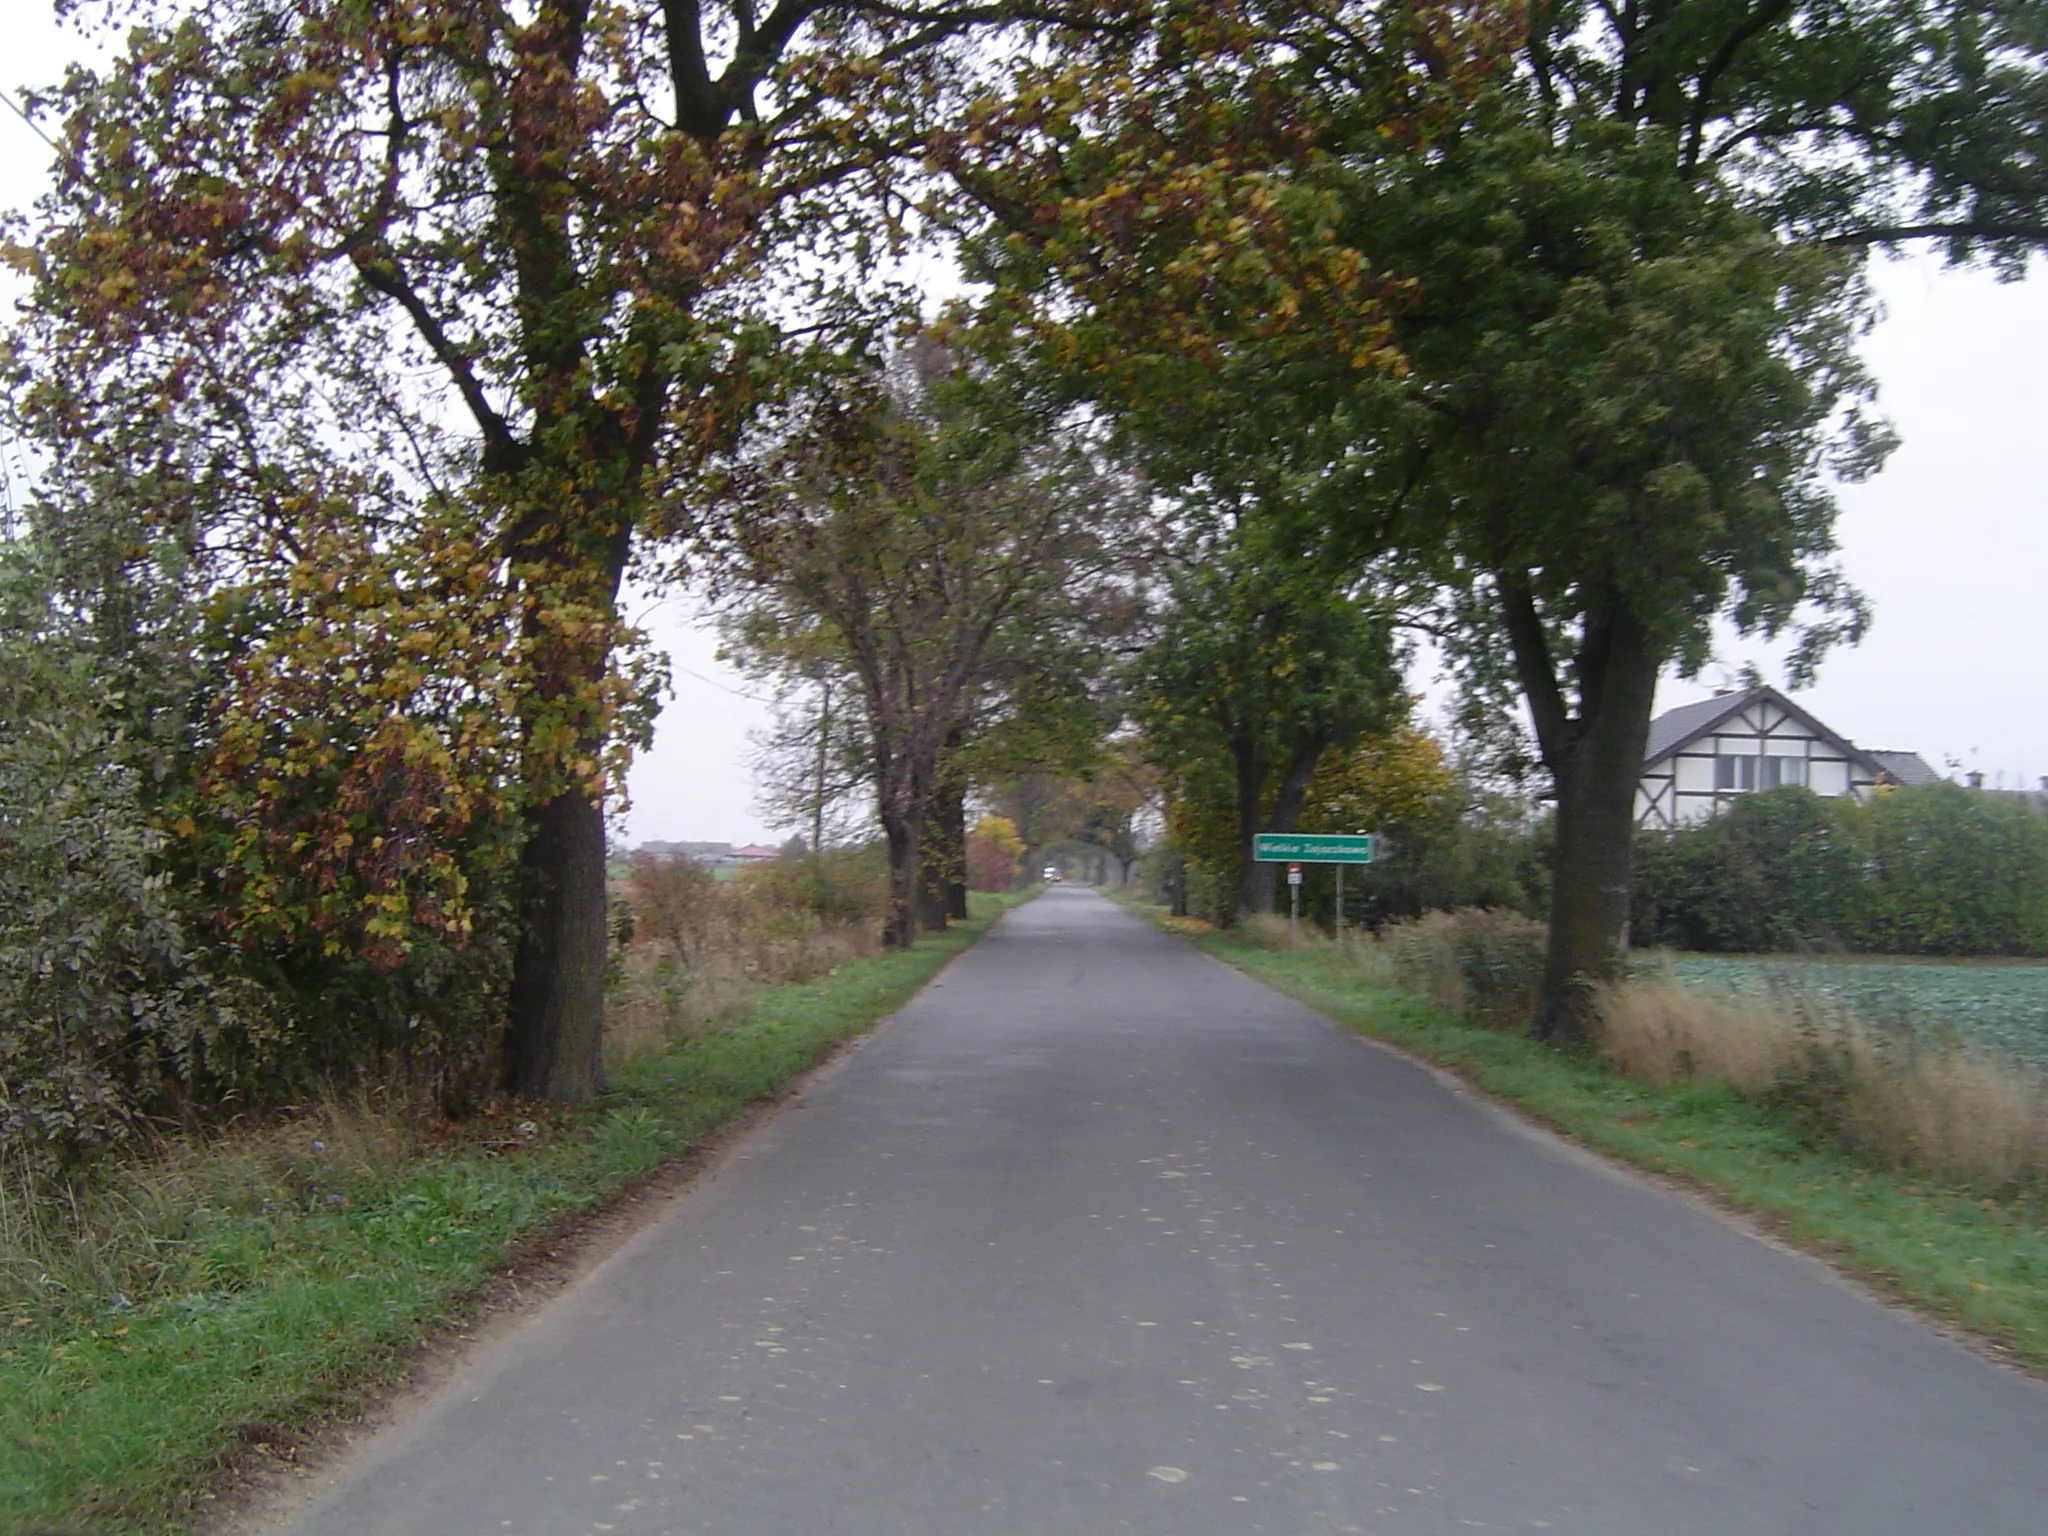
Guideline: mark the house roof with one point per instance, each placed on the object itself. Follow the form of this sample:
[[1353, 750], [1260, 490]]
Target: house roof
[[753, 851], [1675, 727], [1905, 767]]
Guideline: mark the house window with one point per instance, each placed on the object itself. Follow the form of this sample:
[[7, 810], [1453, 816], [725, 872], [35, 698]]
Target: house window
[[1784, 770], [1735, 773]]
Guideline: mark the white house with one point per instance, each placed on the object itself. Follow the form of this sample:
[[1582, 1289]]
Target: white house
[[1701, 756]]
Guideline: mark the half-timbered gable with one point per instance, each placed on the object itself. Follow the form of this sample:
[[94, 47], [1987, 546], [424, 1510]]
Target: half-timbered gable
[[1701, 756]]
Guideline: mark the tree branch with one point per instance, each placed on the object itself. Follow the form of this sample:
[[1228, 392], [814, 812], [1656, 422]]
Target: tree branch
[[1967, 229], [1703, 97], [1535, 668], [381, 273], [700, 112]]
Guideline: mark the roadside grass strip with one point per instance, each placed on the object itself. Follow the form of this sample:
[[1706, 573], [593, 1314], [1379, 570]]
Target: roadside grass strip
[[1974, 1260], [116, 1417]]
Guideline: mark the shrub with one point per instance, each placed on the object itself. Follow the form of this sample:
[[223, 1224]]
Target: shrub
[[1775, 872], [112, 1010], [1932, 869], [1465, 848], [1951, 871], [674, 903], [993, 849], [698, 946], [839, 889], [1484, 964]]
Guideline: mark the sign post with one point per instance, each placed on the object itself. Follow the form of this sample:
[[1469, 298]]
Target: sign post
[[1297, 848], [1313, 847]]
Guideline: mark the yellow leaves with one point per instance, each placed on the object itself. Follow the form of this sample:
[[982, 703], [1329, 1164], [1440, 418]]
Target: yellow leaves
[[1387, 778]]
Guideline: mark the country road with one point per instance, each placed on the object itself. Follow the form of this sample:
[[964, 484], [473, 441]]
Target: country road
[[1099, 1236]]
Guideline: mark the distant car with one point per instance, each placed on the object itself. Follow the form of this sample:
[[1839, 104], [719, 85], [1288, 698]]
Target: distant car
[[1052, 874]]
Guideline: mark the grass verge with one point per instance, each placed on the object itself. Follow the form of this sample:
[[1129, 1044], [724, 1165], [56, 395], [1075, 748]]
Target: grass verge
[[116, 1416], [1977, 1262]]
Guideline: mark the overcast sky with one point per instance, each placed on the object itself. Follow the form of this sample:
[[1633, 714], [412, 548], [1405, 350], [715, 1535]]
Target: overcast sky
[[1950, 542]]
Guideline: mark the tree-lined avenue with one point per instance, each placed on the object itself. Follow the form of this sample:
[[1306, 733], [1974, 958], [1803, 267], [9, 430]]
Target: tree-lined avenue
[[1098, 1235]]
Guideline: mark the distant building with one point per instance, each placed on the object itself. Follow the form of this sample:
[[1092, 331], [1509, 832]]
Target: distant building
[[753, 853], [1701, 756]]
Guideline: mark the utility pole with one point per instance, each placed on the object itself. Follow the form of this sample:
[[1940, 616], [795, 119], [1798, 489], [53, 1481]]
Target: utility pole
[[818, 784]]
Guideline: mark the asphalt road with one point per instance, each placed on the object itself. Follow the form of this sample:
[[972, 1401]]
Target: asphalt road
[[1099, 1236]]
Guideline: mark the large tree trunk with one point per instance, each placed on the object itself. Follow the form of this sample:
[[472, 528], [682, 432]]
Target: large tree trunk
[[554, 1047], [1254, 880], [554, 1038], [1258, 883], [902, 834], [950, 830], [1595, 759], [944, 854]]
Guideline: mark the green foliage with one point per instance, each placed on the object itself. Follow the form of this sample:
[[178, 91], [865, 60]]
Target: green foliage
[[114, 1007], [1774, 873], [1463, 847], [1267, 659], [1923, 870], [1950, 872]]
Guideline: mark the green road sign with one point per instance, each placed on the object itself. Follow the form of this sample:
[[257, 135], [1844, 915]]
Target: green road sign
[[1307, 848]]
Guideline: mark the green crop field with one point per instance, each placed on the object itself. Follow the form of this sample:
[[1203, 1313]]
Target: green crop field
[[1996, 1005]]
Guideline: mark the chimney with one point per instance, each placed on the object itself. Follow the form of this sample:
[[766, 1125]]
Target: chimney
[[1722, 693], [1976, 779]]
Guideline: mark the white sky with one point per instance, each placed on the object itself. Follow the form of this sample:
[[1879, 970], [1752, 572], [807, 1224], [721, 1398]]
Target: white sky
[[1950, 542]]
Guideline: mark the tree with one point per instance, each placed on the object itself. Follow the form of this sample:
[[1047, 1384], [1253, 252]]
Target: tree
[[1389, 776], [812, 764], [1634, 344], [511, 261], [993, 852], [1264, 662], [1626, 403], [1618, 287], [913, 532]]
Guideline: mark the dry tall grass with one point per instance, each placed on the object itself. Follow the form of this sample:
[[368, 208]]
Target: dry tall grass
[[1482, 963], [1922, 1107], [1920, 1102], [701, 947], [1269, 930]]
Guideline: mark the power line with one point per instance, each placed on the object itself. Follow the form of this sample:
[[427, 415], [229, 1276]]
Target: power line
[[715, 683], [33, 126]]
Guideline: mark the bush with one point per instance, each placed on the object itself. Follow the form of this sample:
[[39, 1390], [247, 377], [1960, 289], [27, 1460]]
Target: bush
[[1950, 871], [1466, 848], [1934, 869], [697, 947], [1773, 873], [112, 1011], [1483, 964]]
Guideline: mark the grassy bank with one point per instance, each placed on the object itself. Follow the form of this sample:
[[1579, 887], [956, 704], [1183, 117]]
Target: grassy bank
[[1979, 1261], [303, 1262]]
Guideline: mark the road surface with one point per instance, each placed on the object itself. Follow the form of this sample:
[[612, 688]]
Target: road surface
[[1099, 1236]]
